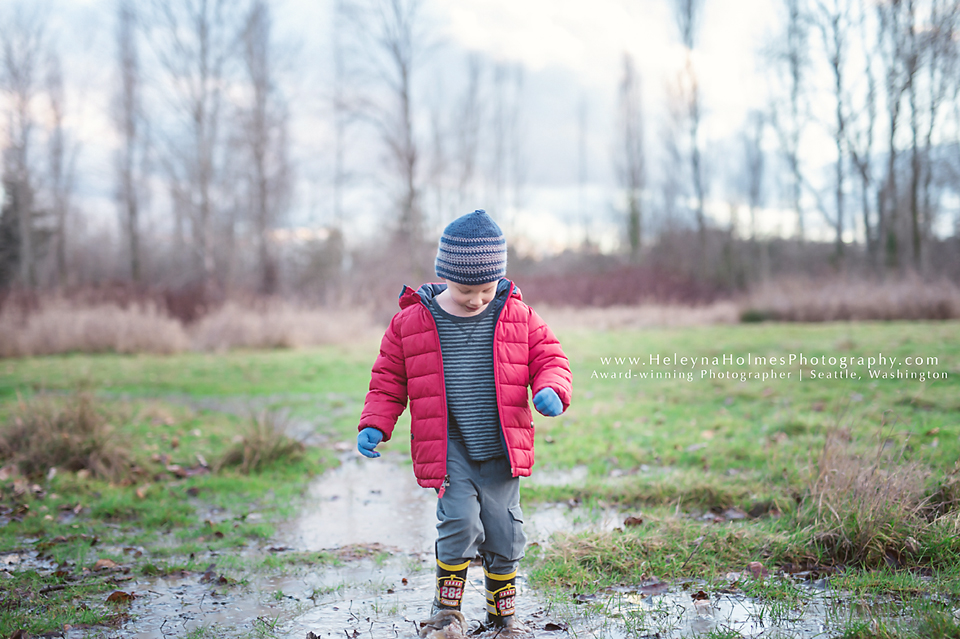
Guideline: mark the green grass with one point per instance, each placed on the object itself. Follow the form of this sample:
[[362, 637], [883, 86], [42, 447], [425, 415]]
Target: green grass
[[674, 448], [172, 523]]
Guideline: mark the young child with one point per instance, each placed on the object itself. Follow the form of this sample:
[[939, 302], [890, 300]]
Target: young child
[[464, 353]]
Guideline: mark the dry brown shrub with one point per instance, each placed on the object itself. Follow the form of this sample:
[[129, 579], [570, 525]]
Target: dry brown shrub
[[264, 441], [647, 315], [865, 510], [68, 434], [836, 299], [58, 326], [276, 325]]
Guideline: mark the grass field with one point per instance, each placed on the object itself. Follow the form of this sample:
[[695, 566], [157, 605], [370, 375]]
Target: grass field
[[810, 473]]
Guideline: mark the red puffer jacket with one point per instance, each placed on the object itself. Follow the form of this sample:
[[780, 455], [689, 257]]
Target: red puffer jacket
[[525, 354]]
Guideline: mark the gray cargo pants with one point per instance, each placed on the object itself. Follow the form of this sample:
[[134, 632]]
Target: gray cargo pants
[[480, 513]]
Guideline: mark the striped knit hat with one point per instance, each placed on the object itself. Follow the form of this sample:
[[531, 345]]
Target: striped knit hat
[[472, 250]]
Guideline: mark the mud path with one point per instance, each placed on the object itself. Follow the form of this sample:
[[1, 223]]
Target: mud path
[[372, 515]]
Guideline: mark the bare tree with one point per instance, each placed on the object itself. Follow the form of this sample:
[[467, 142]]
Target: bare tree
[[671, 187], [515, 128], [22, 38], [754, 163], [629, 156], [469, 123], [939, 42], [61, 163], [583, 161], [893, 55], [264, 126], [506, 167], [833, 20], [345, 111], [439, 161], [914, 52], [860, 135], [790, 60], [194, 40], [388, 50], [132, 160], [688, 14]]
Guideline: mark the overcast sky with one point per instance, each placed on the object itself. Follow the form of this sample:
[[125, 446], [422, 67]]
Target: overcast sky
[[571, 52]]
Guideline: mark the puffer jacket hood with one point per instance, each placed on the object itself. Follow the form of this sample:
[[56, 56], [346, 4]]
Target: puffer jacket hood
[[526, 356]]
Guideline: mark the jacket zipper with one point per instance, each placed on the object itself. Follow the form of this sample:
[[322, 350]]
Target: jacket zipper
[[443, 385], [496, 381]]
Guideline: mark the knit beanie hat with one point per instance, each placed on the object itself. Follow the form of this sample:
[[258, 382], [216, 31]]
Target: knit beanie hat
[[472, 250]]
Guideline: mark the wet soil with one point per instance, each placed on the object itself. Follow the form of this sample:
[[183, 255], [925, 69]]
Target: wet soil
[[379, 526], [372, 516]]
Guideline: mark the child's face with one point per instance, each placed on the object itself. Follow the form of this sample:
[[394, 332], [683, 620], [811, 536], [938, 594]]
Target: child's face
[[472, 299]]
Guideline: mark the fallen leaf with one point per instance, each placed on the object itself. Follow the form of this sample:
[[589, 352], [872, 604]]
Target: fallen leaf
[[633, 521], [177, 470], [555, 627], [104, 564], [699, 596], [756, 569], [584, 598], [404, 581], [193, 491], [119, 596], [142, 492]]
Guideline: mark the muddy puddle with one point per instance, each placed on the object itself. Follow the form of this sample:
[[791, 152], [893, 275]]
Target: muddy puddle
[[373, 516]]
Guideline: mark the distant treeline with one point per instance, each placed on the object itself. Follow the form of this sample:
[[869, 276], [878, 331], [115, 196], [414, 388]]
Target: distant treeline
[[204, 172]]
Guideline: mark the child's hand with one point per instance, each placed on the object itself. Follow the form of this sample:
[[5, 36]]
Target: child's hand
[[548, 402], [367, 440]]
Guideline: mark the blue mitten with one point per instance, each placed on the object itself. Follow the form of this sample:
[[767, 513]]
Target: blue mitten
[[367, 440], [548, 402]]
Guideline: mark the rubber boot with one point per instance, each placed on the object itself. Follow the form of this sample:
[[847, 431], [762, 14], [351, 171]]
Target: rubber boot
[[451, 580], [501, 598]]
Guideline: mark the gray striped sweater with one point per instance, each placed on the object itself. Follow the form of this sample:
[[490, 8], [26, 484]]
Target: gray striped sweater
[[466, 344]]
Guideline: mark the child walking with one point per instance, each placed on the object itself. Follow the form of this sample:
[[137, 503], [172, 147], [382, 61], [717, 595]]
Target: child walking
[[464, 353]]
